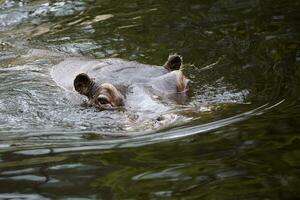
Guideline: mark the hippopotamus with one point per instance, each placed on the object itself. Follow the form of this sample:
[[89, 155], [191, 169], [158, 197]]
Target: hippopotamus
[[109, 84]]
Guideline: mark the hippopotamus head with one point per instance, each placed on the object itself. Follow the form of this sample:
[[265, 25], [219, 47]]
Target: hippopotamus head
[[120, 77], [104, 96]]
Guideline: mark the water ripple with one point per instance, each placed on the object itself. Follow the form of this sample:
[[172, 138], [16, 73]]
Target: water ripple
[[135, 140]]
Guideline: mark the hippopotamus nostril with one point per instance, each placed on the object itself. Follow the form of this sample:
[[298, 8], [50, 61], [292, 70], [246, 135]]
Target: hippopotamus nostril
[[160, 118]]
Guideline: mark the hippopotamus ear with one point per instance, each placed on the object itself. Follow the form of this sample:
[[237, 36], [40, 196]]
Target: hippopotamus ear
[[173, 63], [81, 83]]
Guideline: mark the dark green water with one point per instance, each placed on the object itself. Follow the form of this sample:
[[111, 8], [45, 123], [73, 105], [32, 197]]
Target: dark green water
[[240, 140]]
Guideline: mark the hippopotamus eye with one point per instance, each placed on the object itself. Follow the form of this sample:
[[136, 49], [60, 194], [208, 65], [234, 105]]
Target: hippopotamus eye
[[103, 100]]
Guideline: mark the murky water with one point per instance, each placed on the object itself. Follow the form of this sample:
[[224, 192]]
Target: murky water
[[235, 137]]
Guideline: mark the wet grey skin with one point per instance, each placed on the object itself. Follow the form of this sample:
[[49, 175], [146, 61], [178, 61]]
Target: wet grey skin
[[106, 96]]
